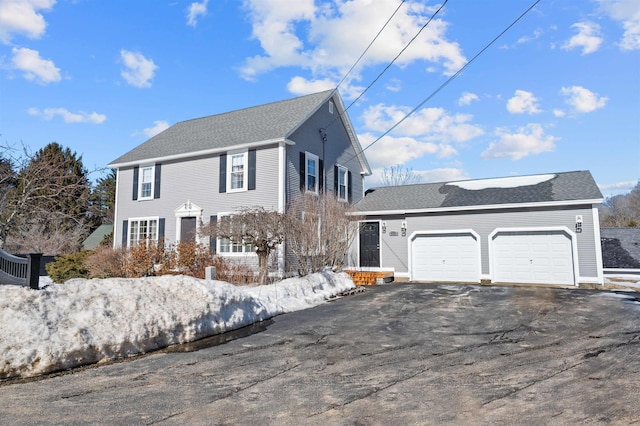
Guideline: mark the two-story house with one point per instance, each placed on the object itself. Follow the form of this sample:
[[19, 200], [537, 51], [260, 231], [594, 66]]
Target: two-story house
[[203, 169]]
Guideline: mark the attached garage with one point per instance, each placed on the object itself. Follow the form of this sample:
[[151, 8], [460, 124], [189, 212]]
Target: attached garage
[[445, 257], [537, 229], [533, 257]]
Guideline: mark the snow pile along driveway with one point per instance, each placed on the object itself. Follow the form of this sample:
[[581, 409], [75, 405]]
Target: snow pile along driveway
[[88, 321]]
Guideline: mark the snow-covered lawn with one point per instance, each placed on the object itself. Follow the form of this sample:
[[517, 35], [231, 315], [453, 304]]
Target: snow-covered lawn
[[88, 321]]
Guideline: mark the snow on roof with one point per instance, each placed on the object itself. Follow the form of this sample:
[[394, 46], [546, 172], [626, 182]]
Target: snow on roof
[[506, 182]]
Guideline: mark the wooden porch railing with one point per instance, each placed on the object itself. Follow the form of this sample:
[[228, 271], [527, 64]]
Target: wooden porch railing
[[24, 271]]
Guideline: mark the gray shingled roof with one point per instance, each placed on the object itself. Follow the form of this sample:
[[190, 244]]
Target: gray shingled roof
[[556, 187], [620, 247], [266, 122]]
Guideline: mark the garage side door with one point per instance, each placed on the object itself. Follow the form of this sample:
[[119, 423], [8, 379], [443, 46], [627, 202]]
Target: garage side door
[[533, 258], [445, 258]]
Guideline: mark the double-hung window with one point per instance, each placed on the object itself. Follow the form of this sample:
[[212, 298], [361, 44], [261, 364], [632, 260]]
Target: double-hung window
[[237, 170], [312, 177], [146, 183], [142, 230], [343, 183], [232, 246]]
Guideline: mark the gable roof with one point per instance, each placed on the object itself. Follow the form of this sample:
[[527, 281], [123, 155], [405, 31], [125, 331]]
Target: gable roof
[[257, 125], [557, 188]]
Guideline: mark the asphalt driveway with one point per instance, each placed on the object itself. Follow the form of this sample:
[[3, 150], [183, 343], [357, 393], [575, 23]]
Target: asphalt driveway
[[395, 354]]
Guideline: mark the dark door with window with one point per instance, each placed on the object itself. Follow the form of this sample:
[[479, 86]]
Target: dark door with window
[[370, 244], [188, 230]]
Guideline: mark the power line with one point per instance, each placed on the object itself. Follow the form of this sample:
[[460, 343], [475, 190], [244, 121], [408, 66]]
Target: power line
[[390, 63], [450, 79], [370, 44]]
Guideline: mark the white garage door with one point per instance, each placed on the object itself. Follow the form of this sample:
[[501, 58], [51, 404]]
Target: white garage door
[[533, 258], [445, 257]]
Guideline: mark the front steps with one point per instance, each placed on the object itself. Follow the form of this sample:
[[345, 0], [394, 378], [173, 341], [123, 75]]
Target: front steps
[[370, 277]]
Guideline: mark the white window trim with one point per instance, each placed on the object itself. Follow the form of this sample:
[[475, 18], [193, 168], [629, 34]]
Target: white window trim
[[140, 181], [189, 209], [346, 184], [139, 219], [243, 253], [245, 171], [309, 156]]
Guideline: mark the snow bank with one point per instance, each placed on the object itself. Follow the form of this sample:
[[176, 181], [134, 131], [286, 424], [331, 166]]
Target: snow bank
[[88, 321]]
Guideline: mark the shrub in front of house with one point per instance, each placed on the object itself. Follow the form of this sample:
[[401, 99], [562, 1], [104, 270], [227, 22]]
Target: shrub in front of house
[[69, 266]]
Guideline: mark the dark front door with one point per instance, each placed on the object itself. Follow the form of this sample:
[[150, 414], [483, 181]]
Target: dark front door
[[188, 230], [370, 244]]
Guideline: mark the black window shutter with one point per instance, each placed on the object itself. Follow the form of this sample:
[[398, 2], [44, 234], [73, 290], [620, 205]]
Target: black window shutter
[[251, 185], [136, 173], [156, 182], [321, 183], [303, 163], [125, 231], [161, 230], [336, 171], [213, 220], [349, 191], [223, 173]]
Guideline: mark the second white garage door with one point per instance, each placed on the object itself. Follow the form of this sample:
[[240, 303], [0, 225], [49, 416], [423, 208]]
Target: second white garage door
[[533, 257], [445, 258]]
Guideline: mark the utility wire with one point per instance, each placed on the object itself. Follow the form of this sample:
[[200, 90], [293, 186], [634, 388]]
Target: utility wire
[[370, 44], [398, 55], [390, 63], [450, 79]]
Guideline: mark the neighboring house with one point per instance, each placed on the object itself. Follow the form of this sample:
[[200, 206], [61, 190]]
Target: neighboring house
[[96, 237], [201, 170], [541, 229], [620, 250]]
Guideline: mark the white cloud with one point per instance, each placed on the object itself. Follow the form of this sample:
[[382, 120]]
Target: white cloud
[[158, 127], [323, 47], [34, 67], [583, 100], [67, 116], [390, 151], [523, 102], [467, 98], [442, 175], [536, 35], [628, 13], [429, 124], [527, 140], [195, 10], [588, 38], [22, 17], [302, 86], [138, 71], [619, 186], [559, 113]]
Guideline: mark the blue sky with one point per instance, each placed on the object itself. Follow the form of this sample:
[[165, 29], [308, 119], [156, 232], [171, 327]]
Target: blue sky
[[560, 91]]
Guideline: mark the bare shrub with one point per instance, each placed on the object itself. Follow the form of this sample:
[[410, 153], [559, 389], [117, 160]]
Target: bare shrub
[[106, 262], [319, 233]]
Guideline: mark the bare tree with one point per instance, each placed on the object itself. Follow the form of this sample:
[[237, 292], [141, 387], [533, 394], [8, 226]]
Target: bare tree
[[622, 210], [263, 229], [399, 175], [44, 196], [320, 232]]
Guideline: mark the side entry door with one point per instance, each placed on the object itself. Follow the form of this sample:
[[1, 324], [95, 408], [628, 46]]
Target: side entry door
[[370, 244]]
